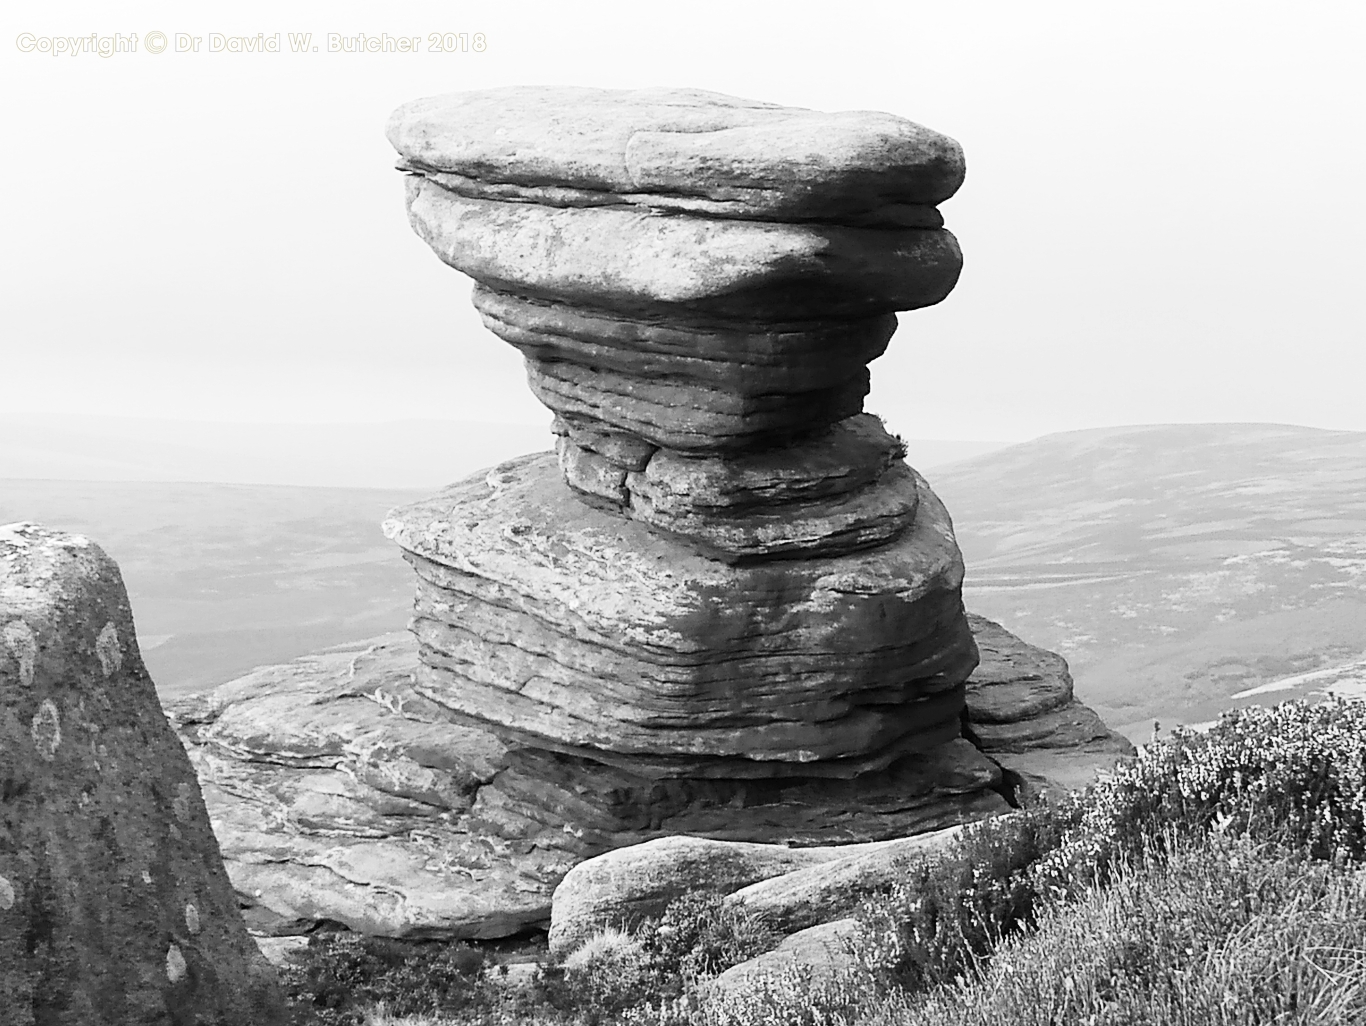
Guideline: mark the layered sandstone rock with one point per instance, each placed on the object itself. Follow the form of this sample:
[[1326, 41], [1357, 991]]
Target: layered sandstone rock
[[339, 794], [114, 905], [1022, 713], [728, 574]]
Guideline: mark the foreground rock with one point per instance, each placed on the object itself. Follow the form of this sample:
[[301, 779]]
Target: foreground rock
[[814, 957], [792, 888], [114, 905]]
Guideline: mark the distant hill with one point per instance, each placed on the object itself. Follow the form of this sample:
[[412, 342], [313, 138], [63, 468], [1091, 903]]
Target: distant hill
[[1177, 567], [392, 454], [225, 577]]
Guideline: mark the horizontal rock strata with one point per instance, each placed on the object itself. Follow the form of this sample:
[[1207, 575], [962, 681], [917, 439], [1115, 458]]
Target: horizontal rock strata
[[1022, 713], [663, 317], [340, 794], [636, 261], [583, 627]]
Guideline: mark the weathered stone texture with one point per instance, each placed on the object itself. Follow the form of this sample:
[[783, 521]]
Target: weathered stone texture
[[114, 905], [552, 617]]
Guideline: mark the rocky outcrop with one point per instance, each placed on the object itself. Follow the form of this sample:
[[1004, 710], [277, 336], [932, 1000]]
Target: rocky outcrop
[[725, 608], [727, 581], [340, 794], [114, 905], [1021, 713]]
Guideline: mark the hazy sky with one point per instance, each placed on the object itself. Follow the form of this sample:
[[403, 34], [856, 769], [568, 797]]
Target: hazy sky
[[1163, 218]]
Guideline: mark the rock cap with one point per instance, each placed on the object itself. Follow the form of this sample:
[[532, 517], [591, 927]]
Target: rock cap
[[679, 149]]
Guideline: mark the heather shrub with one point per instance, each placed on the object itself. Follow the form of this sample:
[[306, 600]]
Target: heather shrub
[[699, 935], [338, 976], [1295, 772], [606, 975], [657, 968], [1211, 930], [952, 907]]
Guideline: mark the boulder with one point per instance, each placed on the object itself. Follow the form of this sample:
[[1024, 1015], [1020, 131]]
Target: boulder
[[792, 888], [624, 887], [815, 957], [1022, 714], [114, 904], [835, 888]]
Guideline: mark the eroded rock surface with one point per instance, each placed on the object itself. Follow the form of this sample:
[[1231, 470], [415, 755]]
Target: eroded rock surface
[[683, 149], [114, 905], [560, 620], [339, 793]]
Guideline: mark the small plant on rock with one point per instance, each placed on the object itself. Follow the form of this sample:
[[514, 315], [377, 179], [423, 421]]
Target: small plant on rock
[[701, 935]]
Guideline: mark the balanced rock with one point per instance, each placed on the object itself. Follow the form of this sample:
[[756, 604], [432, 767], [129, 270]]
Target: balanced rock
[[728, 574], [114, 904], [725, 607]]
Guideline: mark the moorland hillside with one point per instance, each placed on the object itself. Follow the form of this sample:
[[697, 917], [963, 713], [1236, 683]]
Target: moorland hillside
[[1175, 566]]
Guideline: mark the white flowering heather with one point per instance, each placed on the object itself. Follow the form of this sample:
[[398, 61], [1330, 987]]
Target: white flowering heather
[[1294, 772]]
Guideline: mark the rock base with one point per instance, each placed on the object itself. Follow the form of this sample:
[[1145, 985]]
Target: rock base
[[340, 794]]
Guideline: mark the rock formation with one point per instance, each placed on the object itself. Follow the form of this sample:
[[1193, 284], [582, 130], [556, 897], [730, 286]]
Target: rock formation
[[1022, 713], [114, 905], [728, 574], [724, 608]]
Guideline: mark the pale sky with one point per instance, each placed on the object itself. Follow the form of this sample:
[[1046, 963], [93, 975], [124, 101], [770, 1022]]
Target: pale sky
[[1163, 218]]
